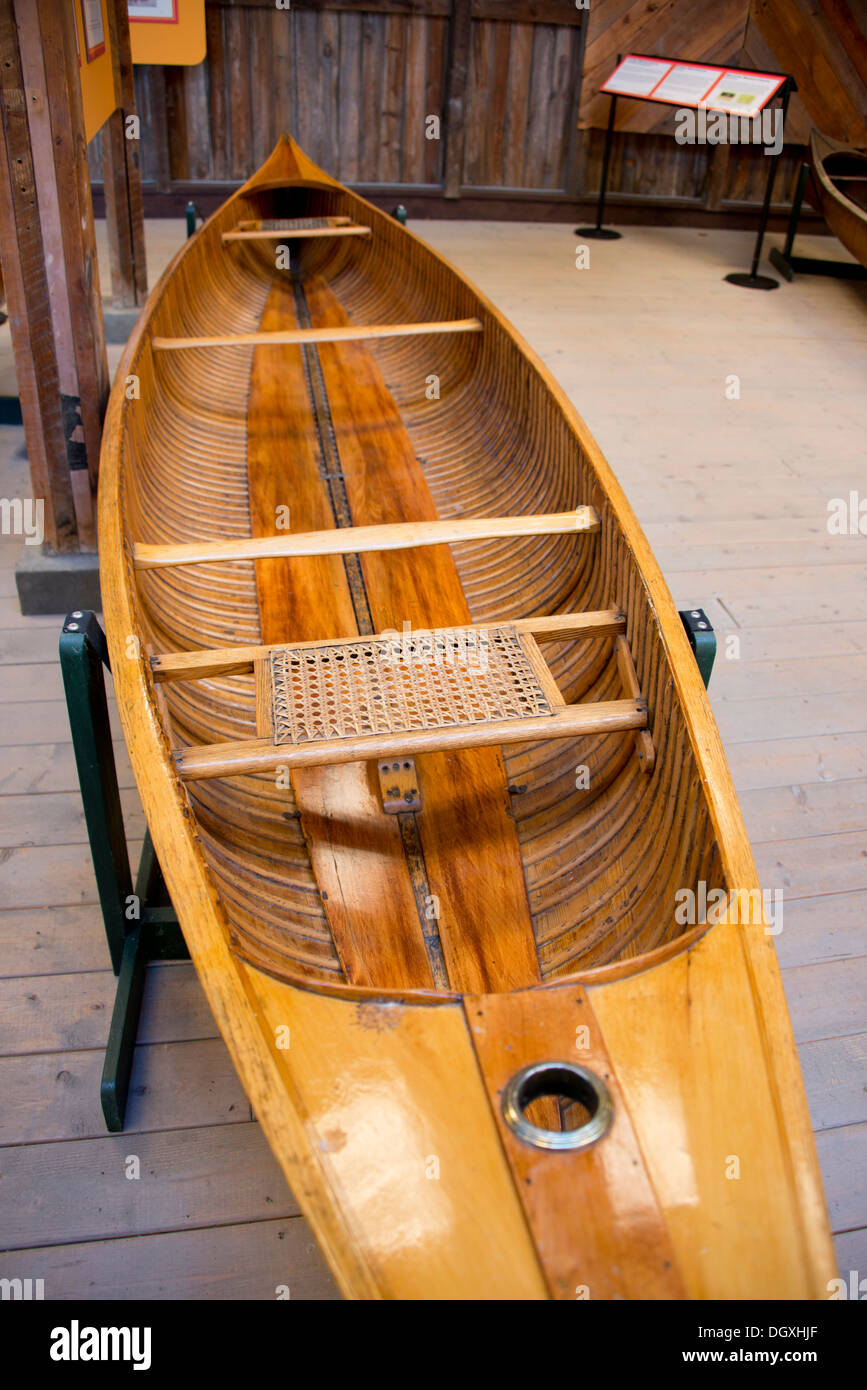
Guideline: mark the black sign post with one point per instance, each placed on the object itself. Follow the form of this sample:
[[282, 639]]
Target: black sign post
[[751, 280], [600, 233]]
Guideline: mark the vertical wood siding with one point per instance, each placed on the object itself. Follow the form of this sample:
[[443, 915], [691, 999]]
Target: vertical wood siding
[[355, 81]]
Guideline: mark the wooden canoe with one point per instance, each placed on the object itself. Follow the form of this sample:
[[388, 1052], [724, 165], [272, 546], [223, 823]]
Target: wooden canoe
[[405, 991], [840, 180]]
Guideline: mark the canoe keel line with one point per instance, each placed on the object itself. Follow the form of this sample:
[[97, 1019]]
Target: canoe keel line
[[425, 772], [335, 483]]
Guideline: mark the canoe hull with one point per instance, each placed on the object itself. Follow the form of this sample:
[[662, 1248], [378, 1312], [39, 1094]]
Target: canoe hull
[[846, 217], [384, 1105]]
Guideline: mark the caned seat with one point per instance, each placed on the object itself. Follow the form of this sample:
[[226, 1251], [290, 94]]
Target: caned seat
[[396, 695]]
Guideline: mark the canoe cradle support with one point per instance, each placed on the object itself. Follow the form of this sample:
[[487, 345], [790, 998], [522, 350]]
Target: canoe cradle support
[[140, 923], [788, 264]]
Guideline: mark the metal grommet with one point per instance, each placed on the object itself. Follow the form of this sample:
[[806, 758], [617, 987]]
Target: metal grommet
[[558, 1079]]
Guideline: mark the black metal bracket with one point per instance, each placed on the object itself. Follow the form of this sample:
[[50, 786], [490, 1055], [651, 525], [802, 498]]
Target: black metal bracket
[[140, 923], [702, 639]]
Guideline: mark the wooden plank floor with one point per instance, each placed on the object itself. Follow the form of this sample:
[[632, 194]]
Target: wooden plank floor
[[733, 494]]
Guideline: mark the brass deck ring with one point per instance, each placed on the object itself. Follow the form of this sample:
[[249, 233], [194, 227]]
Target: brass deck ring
[[558, 1079]]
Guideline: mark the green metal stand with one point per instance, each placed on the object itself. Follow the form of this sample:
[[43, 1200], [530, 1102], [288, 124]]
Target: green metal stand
[[140, 923], [702, 639]]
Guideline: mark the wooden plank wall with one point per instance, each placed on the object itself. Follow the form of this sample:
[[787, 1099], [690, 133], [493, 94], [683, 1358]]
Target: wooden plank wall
[[514, 84]]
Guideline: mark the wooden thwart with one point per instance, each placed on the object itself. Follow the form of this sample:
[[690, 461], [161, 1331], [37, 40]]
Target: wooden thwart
[[235, 661], [293, 234], [341, 334], [262, 755], [352, 540]]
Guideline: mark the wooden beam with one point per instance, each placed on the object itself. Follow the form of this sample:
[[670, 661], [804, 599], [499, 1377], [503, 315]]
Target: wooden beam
[[460, 33], [29, 301], [272, 234], [122, 173], [235, 661], [261, 755], [510, 11], [155, 79], [353, 540], [322, 335], [74, 273], [50, 219]]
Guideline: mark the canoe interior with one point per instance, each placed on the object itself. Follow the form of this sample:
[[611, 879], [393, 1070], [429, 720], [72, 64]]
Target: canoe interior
[[848, 173], [220, 437]]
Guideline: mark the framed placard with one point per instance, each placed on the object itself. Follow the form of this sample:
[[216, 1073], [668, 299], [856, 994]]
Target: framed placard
[[98, 98], [167, 31], [153, 11], [738, 91], [93, 29]]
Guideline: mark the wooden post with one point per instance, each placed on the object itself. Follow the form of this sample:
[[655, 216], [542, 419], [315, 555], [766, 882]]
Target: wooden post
[[455, 123], [121, 171], [52, 276], [26, 282]]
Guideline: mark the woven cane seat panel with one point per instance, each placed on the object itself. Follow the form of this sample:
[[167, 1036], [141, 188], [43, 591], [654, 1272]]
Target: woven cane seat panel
[[297, 224], [434, 680]]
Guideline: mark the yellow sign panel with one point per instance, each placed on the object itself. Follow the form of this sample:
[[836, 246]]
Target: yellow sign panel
[[94, 61], [167, 31]]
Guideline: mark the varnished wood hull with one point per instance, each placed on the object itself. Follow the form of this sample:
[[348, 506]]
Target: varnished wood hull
[[843, 202], [379, 980]]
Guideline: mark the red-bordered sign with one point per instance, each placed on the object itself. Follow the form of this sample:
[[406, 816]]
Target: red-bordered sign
[[153, 11], [92, 28], [737, 91], [167, 31]]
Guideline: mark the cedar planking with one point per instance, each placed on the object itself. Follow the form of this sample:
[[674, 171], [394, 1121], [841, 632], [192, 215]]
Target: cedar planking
[[417, 960]]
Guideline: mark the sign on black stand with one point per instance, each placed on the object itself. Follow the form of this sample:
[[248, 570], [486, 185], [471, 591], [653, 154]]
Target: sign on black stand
[[738, 93]]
